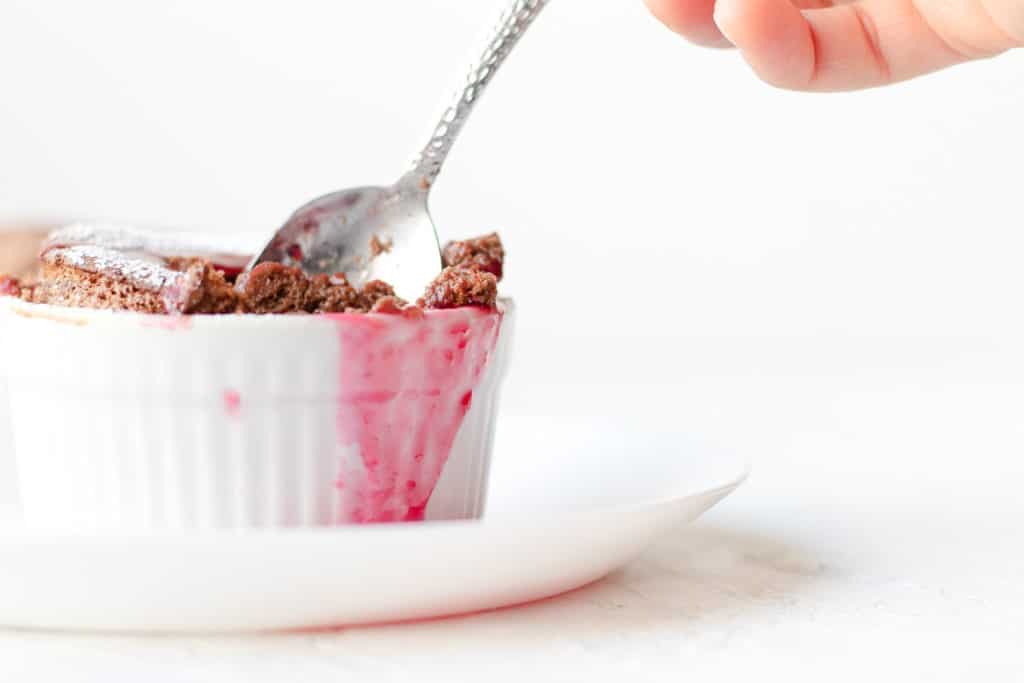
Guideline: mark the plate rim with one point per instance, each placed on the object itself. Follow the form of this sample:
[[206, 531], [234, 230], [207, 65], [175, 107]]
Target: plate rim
[[12, 532]]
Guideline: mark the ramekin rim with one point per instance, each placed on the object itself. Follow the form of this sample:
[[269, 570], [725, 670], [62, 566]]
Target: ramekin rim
[[81, 317]]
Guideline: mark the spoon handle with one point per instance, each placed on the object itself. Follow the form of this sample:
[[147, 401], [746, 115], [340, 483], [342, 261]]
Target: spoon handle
[[514, 21]]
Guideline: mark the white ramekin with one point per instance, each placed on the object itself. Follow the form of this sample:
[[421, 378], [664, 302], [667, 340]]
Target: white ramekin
[[8, 484], [134, 422]]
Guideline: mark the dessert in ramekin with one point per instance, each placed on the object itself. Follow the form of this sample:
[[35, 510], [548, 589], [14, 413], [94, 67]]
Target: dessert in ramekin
[[151, 392]]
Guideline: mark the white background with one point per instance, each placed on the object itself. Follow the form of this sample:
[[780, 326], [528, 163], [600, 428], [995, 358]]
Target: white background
[[830, 284], [653, 196]]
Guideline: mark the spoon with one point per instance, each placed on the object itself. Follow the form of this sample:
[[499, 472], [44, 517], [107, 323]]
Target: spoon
[[386, 233]]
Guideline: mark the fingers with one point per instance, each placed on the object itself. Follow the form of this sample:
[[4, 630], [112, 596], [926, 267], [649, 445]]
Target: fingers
[[691, 19], [773, 37], [868, 43], [831, 46], [694, 19]]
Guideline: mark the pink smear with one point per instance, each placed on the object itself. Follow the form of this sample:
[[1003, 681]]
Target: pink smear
[[295, 252], [168, 322], [405, 386], [232, 403], [9, 286], [231, 272]]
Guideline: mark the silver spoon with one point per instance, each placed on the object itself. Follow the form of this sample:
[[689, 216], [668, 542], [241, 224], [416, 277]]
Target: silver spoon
[[386, 233]]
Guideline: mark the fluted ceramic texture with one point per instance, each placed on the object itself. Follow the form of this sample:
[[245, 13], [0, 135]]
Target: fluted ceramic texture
[[134, 423], [8, 485]]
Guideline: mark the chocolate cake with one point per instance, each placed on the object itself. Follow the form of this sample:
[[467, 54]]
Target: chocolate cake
[[461, 286], [102, 277], [484, 253]]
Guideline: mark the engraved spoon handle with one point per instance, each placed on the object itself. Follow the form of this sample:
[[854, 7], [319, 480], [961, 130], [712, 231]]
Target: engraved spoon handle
[[514, 21]]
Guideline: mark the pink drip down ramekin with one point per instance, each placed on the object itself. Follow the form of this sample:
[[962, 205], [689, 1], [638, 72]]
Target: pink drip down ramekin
[[125, 421]]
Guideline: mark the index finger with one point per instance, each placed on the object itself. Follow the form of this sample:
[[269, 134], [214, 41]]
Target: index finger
[[692, 19]]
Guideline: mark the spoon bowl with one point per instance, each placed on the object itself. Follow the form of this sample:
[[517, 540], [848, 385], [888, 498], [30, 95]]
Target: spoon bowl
[[367, 233]]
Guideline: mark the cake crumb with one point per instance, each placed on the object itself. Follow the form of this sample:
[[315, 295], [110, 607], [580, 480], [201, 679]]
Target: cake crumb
[[459, 286], [272, 288], [380, 246], [205, 291], [373, 291], [331, 294], [388, 304], [484, 253]]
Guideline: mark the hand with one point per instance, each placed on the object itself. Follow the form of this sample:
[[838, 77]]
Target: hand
[[829, 45]]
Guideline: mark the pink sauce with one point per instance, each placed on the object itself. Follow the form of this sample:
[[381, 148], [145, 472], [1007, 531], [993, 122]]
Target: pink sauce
[[405, 386], [232, 403], [171, 323], [9, 286]]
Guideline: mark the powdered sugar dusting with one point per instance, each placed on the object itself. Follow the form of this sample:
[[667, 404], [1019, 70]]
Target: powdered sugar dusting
[[141, 270], [227, 250]]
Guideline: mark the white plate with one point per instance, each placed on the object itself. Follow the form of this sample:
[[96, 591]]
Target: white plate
[[569, 504]]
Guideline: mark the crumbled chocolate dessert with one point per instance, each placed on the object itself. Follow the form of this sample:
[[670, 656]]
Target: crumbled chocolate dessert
[[485, 253], [374, 291], [90, 276], [272, 288], [202, 289], [456, 287], [388, 304], [331, 294]]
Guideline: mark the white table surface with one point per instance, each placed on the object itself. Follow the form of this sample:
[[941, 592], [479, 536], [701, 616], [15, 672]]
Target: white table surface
[[878, 537]]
